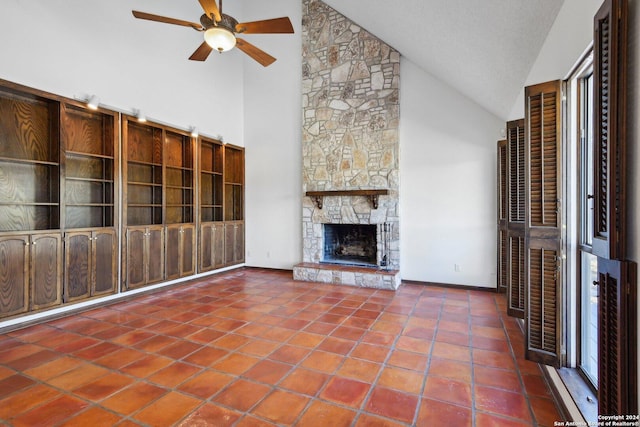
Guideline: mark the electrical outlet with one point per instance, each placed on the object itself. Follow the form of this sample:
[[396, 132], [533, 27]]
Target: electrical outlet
[[457, 268]]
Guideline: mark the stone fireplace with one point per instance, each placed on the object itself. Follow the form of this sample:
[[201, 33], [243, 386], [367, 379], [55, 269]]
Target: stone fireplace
[[350, 149]]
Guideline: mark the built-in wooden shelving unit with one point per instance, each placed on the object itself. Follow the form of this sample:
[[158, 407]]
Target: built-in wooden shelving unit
[[76, 182]]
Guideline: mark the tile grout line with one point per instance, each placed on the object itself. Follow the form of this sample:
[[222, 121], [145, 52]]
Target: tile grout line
[[474, 419], [429, 359], [523, 388]]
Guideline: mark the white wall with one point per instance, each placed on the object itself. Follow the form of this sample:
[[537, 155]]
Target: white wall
[[77, 48], [447, 183], [273, 131], [571, 34]]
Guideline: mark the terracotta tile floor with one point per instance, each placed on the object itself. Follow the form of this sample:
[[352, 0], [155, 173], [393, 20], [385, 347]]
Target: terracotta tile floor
[[251, 347]]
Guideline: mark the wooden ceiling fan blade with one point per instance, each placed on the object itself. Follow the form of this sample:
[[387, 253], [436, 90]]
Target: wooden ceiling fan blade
[[201, 53], [166, 20], [259, 55], [266, 26], [211, 9]]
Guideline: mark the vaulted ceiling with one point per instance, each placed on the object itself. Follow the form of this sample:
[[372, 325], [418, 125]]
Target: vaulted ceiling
[[483, 48]]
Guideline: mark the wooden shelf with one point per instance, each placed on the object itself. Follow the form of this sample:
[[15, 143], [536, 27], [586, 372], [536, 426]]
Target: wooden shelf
[[372, 195], [28, 161], [90, 155]]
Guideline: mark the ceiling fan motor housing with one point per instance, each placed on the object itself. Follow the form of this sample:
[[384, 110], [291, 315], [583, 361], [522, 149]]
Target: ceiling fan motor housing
[[228, 22]]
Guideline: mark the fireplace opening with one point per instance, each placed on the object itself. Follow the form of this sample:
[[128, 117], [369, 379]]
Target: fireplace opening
[[351, 244]]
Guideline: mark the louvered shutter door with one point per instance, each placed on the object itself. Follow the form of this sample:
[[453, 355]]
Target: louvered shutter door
[[617, 279], [543, 315], [516, 274], [609, 70], [502, 216], [617, 338], [515, 152], [515, 218], [543, 278]]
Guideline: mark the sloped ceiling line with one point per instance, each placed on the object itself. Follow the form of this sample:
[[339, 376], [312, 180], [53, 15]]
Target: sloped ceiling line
[[484, 49]]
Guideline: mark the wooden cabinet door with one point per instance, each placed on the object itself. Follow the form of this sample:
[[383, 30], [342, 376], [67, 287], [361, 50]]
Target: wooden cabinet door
[[78, 265], [14, 275], [173, 251], [188, 246], [46, 270], [238, 245], [218, 245], [180, 250], [104, 261], [206, 247], [155, 254], [212, 246], [136, 267], [234, 242], [229, 242]]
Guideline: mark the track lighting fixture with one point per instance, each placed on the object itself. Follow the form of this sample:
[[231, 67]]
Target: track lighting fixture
[[140, 116], [93, 102]]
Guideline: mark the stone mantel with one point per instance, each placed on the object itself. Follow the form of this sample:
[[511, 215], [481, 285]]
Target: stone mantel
[[318, 196]]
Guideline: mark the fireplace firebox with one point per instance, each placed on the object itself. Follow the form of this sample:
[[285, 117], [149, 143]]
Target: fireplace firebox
[[350, 244]]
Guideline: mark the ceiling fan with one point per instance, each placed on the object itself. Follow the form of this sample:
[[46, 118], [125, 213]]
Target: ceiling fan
[[220, 31]]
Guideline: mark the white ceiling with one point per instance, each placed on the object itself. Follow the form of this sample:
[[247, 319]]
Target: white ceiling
[[483, 48]]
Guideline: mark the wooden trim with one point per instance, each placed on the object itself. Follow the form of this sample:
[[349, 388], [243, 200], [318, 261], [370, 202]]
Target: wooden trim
[[570, 394], [449, 286]]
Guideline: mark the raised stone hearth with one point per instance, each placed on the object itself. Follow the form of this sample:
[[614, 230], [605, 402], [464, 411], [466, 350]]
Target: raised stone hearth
[[350, 85], [347, 275]]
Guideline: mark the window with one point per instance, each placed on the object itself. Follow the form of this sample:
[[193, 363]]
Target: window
[[588, 263]]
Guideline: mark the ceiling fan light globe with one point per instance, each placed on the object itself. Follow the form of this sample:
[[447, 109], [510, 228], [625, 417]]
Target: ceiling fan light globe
[[220, 39]]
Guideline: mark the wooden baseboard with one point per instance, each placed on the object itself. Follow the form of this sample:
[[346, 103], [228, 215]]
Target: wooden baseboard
[[450, 286]]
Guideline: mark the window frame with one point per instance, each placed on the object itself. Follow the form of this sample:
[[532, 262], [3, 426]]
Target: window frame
[[584, 193]]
